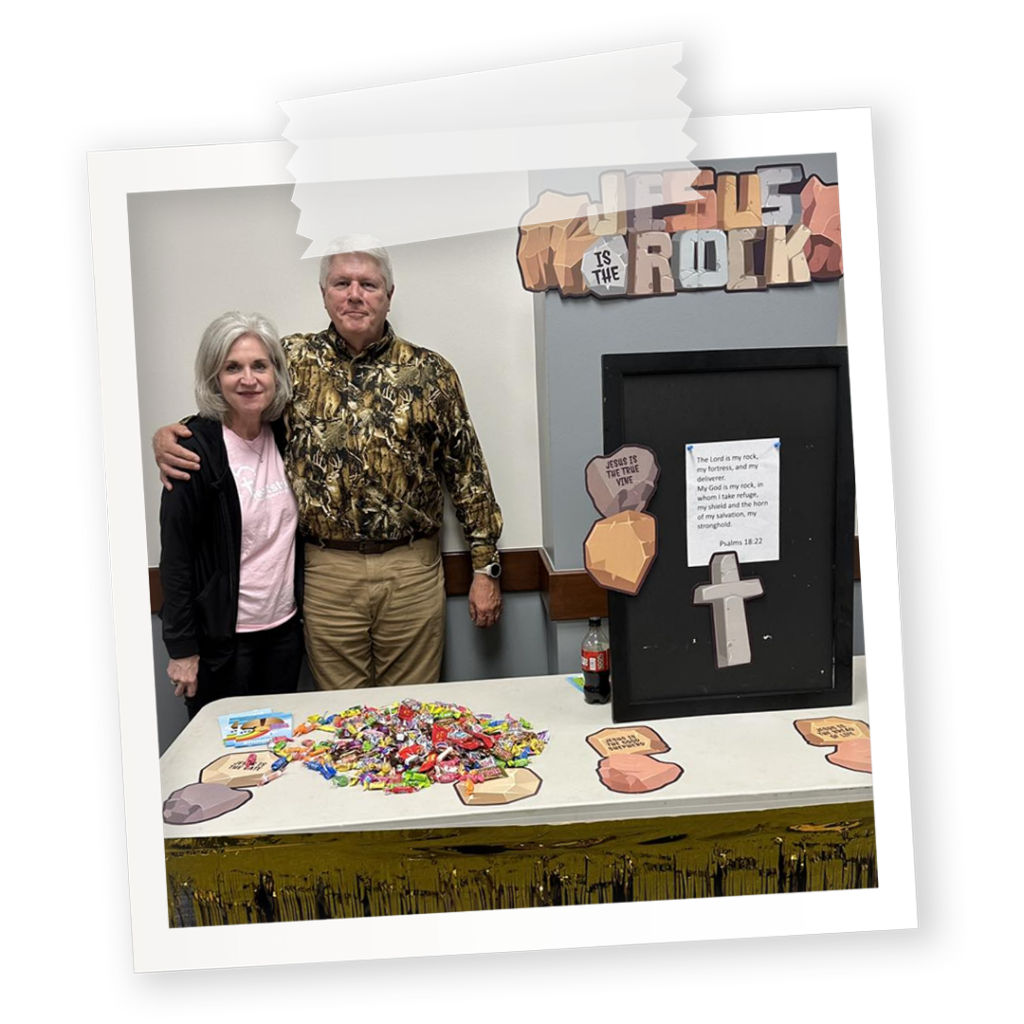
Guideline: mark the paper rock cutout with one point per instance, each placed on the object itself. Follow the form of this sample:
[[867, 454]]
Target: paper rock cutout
[[727, 594], [230, 770], [636, 773], [638, 739], [515, 784], [627, 765], [619, 550], [623, 481], [553, 237], [854, 754], [606, 266], [824, 250], [850, 737], [202, 801], [827, 732]]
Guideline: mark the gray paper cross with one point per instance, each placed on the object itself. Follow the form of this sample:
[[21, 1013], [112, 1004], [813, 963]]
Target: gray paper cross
[[727, 594]]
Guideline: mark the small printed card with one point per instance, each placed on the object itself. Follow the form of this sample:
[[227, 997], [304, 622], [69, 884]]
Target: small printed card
[[254, 728]]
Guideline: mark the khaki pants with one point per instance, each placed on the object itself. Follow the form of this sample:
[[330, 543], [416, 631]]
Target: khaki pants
[[374, 620]]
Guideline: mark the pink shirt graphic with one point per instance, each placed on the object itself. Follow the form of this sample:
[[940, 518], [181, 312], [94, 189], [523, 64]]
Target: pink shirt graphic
[[266, 592]]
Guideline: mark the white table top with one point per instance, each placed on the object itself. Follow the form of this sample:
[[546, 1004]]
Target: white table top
[[731, 763]]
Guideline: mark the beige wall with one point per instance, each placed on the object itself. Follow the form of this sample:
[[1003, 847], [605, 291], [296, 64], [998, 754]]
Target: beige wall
[[197, 253]]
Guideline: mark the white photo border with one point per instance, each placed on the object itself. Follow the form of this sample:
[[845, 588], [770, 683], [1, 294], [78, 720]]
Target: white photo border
[[157, 946]]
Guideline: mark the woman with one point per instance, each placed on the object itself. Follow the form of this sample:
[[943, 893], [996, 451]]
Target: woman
[[228, 564]]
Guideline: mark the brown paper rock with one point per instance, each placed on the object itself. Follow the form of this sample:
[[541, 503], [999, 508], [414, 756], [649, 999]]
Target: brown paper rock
[[623, 481], [554, 235], [636, 773], [230, 770], [785, 258], [827, 732], [619, 550], [637, 739], [824, 249], [743, 275], [853, 754], [739, 202], [202, 801], [516, 784]]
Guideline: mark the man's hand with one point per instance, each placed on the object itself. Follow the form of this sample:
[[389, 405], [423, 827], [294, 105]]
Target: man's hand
[[484, 600], [173, 460], [184, 673]]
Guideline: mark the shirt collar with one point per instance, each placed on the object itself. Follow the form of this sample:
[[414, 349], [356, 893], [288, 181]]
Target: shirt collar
[[377, 348]]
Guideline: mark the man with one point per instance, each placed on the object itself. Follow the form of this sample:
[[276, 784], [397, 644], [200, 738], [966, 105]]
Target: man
[[375, 426]]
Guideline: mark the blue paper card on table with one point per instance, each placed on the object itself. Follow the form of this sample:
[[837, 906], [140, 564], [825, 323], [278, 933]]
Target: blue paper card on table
[[255, 728]]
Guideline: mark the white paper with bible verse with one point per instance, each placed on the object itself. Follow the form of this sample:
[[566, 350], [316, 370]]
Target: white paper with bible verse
[[732, 500]]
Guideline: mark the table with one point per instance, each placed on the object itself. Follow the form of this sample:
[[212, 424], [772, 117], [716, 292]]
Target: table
[[757, 809]]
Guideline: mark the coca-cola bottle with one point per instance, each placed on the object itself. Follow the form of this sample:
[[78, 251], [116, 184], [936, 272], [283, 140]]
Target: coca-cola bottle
[[596, 655]]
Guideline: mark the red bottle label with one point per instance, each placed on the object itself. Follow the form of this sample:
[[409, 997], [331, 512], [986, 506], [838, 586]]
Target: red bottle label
[[597, 661]]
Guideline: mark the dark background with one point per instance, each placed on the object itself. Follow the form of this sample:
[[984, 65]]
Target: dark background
[[946, 153], [663, 642]]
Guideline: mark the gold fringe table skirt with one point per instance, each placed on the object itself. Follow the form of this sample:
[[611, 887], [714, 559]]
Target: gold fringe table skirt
[[308, 877]]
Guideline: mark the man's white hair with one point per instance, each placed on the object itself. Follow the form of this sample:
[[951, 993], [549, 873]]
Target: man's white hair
[[364, 245]]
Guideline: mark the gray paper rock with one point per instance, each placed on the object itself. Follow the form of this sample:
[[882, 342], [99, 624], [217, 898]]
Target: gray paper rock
[[202, 801], [623, 481], [728, 593], [606, 267]]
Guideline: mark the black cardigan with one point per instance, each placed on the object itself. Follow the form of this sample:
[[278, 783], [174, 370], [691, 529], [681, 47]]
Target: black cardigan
[[200, 551]]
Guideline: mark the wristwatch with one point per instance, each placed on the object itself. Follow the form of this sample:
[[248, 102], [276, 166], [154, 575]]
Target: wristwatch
[[493, 570]]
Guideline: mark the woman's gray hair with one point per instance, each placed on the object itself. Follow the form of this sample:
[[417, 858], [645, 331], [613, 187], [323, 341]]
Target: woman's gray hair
[[363, 245], [213, 352]]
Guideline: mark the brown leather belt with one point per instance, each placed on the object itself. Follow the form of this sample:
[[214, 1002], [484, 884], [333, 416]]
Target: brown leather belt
[[364, 547]]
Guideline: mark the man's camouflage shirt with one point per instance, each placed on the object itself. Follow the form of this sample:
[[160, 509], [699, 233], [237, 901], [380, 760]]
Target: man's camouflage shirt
[[371, 438]]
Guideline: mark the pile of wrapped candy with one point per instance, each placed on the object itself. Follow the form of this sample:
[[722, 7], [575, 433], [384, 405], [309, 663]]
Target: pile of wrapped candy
[[408, 746]]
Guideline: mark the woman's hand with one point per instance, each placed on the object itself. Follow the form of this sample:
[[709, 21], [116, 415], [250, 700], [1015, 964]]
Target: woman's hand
[[184, 673]]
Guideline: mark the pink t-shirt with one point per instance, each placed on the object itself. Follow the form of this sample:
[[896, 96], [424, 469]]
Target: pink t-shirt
[[270, 516]]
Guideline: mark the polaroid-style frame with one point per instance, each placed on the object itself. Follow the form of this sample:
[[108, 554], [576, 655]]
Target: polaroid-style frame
[[114, 177], [800, 628]]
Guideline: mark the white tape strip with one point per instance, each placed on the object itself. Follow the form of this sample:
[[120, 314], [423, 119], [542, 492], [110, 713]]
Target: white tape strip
[[450, 156], [622, 85]]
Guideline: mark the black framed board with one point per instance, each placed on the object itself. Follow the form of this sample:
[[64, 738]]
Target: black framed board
[[786, 520]]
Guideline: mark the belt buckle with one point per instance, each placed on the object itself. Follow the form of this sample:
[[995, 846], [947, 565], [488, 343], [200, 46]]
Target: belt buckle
[[366, 546]]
